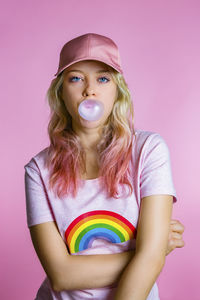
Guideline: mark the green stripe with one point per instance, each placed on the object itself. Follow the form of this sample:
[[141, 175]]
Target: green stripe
[[97, 225]]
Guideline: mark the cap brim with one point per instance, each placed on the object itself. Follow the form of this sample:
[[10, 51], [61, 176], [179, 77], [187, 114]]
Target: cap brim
[[89, 58]]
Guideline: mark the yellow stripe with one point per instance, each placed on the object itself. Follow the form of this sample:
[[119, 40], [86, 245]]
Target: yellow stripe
[[95, 221]]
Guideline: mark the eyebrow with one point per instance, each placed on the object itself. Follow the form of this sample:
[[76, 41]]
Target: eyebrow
[[99, 71]]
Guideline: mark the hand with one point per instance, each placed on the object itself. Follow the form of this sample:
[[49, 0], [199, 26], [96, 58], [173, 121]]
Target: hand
[[175, 236]]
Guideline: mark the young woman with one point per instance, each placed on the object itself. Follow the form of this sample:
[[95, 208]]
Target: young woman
[[99, 198]]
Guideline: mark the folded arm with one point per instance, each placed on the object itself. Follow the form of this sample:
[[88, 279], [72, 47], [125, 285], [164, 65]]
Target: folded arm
[[104, 269], [68, 272], [151, 247], [75, 272]]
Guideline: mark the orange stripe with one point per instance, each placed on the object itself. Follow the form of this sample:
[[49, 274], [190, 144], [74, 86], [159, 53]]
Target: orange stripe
[[130, 233]]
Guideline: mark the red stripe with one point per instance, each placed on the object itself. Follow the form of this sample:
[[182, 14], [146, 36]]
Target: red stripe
[[99, 212]]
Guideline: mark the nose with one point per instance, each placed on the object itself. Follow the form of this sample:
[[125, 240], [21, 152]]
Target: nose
[[89, 89]]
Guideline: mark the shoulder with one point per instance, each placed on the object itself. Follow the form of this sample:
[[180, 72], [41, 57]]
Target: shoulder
[[37, 162], [145, 139], [149, 145]]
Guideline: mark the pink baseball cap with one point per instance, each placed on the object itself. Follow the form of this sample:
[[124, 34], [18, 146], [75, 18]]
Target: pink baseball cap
[[90, 46]]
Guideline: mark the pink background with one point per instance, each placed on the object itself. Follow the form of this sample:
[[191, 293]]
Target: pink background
[[159, 42]]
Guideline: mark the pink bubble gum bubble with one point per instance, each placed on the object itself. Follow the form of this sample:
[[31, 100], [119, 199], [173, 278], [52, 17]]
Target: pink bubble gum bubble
[[91, 110]]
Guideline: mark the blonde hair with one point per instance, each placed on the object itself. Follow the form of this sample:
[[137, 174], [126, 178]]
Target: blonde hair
[[66, 156]]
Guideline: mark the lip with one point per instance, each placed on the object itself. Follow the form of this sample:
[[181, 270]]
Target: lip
[[89, 99], [86, 121], [85, 100]]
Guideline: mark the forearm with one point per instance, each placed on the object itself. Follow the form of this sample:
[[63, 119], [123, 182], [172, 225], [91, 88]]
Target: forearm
[[139, 277], [93, 271]]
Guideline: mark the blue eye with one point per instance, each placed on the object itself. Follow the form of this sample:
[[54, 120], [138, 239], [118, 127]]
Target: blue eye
[[104, 78], [74, 77]]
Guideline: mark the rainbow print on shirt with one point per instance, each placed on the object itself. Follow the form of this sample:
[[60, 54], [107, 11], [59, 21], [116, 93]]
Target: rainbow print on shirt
[[95, 224]]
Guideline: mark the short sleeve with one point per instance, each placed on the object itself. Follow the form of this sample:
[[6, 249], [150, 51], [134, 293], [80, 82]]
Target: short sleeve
[[156, 174], [38, 208]]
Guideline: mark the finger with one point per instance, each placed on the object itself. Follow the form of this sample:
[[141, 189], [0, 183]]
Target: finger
[[178, 243], [171, 245], [174, 221], [176, 235], [177, 227]]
